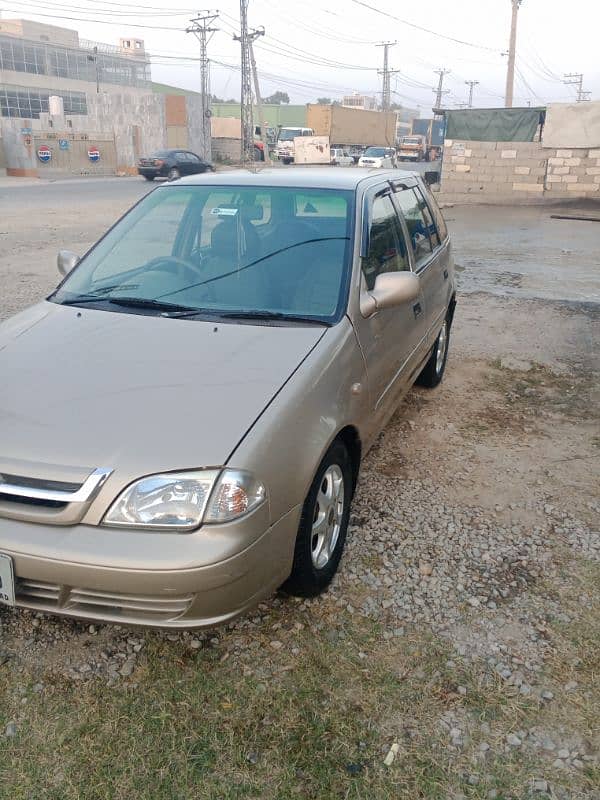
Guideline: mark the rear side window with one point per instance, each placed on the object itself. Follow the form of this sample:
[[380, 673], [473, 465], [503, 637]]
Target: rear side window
[[431, 226], [387, 250], [418, 226]]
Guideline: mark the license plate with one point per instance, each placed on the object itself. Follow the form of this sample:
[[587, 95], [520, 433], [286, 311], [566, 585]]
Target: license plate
[[7, 581]]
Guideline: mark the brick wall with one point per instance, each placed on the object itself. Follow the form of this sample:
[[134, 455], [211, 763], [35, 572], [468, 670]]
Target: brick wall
[[516, 172]]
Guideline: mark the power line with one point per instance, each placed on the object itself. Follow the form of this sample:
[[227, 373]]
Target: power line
[[576, 79], [439, 90], [471, 85], [201, 27], [421, 28]]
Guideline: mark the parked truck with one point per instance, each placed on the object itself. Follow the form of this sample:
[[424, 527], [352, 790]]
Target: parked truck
[[412, 148], [285, 142], [430, 133], [352, 129]]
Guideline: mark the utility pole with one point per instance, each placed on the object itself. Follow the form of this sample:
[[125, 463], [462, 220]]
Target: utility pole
[[263, 124], [94, 58], [512, 49], [471, 84], [202, 30], [439, 90], [246, 94], [385, 91], [576, 79]]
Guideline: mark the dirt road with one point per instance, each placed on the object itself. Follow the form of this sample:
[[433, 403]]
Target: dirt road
[[464, 625]]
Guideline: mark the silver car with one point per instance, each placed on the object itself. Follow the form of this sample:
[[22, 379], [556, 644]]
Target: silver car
[[182, 421]]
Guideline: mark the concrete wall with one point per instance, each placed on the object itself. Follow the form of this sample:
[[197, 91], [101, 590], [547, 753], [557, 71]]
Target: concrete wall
[[2, 157], [226, 149], [516, 172], [138, 124]]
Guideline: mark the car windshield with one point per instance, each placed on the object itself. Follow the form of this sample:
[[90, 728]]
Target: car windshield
[[289, 133], [375, 151], [410, 140], [214, 250]]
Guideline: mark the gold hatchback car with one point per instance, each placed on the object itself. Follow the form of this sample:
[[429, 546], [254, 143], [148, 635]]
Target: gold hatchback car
[[182, 421]]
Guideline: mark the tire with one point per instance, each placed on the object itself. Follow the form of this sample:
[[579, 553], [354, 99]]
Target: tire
[[434, 369], [174, 174], [314, 565], [149, 177], [287, 160]]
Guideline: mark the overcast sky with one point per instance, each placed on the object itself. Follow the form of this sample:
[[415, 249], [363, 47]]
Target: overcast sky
[[313, 49]]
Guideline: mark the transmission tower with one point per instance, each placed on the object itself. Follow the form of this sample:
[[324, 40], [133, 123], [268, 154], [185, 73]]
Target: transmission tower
[[471, 84], [246, 95], [576, 79], [512, 50], [439, 89], [386, 72], [202, 30]]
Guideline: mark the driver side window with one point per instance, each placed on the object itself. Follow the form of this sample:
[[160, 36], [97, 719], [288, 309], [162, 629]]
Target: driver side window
[[387, 248]]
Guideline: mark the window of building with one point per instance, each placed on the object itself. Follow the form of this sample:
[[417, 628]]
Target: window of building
[[30, 103]]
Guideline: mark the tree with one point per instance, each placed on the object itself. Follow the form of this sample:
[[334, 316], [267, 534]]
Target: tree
[[277, 98], [324, 101]]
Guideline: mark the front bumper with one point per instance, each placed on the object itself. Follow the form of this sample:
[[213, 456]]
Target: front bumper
[[146, 578]]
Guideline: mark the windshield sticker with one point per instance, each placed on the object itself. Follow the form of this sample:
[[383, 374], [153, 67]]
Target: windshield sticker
[[224, 212]]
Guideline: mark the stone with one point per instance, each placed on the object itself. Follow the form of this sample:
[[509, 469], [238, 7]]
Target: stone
[[513, 740], [10, 729], [563, 754], [508, 154], [540, 785]]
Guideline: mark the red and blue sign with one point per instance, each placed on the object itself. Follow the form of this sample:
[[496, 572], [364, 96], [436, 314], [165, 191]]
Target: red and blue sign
[[94, 154], [44, 153]]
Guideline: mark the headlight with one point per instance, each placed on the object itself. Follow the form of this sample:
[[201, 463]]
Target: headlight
[[183, 500]]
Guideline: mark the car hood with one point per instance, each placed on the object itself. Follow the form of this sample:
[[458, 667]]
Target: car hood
[[137, 394]]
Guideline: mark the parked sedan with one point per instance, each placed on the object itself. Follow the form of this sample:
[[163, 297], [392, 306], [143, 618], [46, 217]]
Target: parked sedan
[[183, 421], [377, 157], [172, 164]]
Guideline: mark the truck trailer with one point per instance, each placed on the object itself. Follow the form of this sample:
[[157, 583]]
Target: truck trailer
[[352, 129]]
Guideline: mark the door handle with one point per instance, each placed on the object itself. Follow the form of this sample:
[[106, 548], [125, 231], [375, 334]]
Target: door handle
[[445, 274], [417, 309]]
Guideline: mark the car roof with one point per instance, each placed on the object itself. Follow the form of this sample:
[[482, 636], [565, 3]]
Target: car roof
[[300, 177]]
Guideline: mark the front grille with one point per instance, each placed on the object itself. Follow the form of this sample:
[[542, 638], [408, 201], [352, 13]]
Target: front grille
[[96, 604]]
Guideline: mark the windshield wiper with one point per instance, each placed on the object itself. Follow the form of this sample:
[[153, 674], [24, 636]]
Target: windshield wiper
[[97, 294], [275, 315], [148, 302]]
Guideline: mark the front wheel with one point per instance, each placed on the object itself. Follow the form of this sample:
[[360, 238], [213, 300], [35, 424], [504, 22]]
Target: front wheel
[[174, 174], [323, 525], [433, 371]]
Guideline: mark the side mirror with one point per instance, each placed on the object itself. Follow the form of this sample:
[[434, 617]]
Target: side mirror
[[66, 261], [391, 289]]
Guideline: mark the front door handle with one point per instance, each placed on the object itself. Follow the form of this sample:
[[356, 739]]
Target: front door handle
[[445, 274], [417, 309]]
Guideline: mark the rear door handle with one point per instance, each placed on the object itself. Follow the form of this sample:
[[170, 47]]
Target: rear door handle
[[445, 274], [417, 309]]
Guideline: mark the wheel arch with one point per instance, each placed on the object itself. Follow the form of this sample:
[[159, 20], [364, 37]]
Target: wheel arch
[[350, 437]]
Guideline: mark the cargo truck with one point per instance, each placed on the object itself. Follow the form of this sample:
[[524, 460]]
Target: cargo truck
[[285, 142], [352, 128], [432, 131]]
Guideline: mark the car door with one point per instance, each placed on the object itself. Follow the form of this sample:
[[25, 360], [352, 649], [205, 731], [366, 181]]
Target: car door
[[183, 165], [391, 339], [431, 265], [195, 164]]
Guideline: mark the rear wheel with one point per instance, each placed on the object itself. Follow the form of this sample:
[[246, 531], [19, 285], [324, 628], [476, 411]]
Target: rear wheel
[[323, 525], [174, 174], [434, 369]]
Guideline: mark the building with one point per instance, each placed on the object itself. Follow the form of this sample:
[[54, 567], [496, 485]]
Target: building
[[70, 106], [363, 101], [38, 61]]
